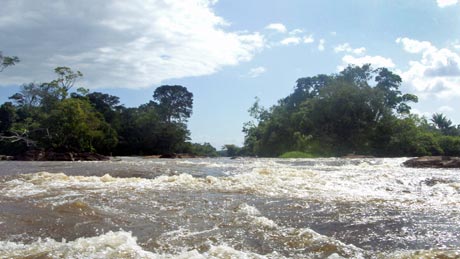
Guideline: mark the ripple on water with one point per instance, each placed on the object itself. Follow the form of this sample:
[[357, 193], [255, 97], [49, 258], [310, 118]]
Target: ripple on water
[[254, 208]]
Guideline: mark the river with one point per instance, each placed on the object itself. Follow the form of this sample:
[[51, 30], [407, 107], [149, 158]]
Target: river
[[223, 208]]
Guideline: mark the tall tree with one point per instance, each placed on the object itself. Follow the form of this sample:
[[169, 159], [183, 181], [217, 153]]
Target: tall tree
[[174, 102], [65, 80], [6, 61], [7, 116], [440, 121]]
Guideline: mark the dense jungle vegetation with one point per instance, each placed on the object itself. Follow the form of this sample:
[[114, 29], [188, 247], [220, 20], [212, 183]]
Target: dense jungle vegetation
[[50, 116], [360, 110]]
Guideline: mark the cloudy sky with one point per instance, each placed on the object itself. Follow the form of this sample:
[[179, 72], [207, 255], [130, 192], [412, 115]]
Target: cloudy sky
[[229, 51]]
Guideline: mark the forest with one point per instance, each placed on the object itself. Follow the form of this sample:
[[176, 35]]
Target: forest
[[54, 116], [359, 111]]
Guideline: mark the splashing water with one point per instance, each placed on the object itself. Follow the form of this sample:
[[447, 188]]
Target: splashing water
[[221, 208]]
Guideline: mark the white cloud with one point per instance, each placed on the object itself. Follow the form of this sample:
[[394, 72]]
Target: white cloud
[[437, 72], [120, 43], [444, 3], [445, 109], [455, 44], [342, 48], [296, 32], [359, 51], [279, 27], [421, 113], [321, 45], [414, 46], [347, 48], [376, 61], [256, 72], [291, 41], [308, 39]]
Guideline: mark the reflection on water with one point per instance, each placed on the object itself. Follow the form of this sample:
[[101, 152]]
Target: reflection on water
[[222, 208]]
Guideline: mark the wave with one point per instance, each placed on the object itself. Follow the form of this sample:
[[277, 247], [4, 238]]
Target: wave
[[299, 243], [347, 185]]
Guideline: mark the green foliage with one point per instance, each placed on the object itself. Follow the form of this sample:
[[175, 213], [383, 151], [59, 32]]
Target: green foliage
[[231, 150], [6, 61], [174, 102], [358, 111], [42, 115], [65, 80], [450, 145], [7, 116], [75, 125], [205, 149], [297, 154]]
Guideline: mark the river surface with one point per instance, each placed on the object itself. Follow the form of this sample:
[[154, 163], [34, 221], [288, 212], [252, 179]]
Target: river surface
[[222, 208]]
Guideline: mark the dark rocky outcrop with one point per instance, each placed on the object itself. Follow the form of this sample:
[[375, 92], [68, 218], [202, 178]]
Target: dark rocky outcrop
[[41, 155], [173, 155], [168, 156], [6, 158], [433, 162]]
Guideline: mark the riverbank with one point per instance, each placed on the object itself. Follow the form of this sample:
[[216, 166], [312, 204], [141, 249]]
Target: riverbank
[[41, 155]]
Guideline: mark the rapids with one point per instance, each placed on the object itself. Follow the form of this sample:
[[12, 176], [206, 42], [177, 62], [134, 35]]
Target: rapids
[[222, 208]]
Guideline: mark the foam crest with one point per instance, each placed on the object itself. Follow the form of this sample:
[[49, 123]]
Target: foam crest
[[425, 254], [357, 183], [110, 245], [310, 243], [116, 245]]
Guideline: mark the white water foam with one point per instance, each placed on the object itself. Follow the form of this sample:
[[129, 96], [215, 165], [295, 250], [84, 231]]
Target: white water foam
[[383, 183]]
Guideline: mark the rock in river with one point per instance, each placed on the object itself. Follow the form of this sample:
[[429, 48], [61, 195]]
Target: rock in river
[[434, 162]]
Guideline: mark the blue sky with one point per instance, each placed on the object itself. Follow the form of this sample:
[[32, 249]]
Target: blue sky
[[229, 51]]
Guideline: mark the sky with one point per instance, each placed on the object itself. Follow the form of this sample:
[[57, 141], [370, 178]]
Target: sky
[[227, 52]]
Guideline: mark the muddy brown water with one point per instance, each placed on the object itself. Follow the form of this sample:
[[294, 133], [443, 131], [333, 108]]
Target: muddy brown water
[[222, 208]]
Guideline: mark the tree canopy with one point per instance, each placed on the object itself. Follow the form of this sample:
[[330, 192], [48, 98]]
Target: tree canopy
[[174, 102], [53, 116], [6, 61], [357, 111]]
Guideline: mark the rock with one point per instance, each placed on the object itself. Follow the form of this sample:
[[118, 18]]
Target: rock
[[168, 156], [6, 158], [433, 181], [88, 156], [32, 155], [433, 162]]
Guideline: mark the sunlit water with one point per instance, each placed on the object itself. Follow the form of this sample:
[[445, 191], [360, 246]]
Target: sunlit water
[[222, 208]]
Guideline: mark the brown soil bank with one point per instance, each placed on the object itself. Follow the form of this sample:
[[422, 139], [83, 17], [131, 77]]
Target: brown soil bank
[[433, 162]]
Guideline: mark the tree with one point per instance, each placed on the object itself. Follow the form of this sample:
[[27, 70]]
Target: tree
[[65, 80], [108, 105], [231, 150], [204, 149], [6, 61], [75, 125], [7, 117], [29, 95], [42, 116], [174, 103], [330, 114], [441, 122]]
